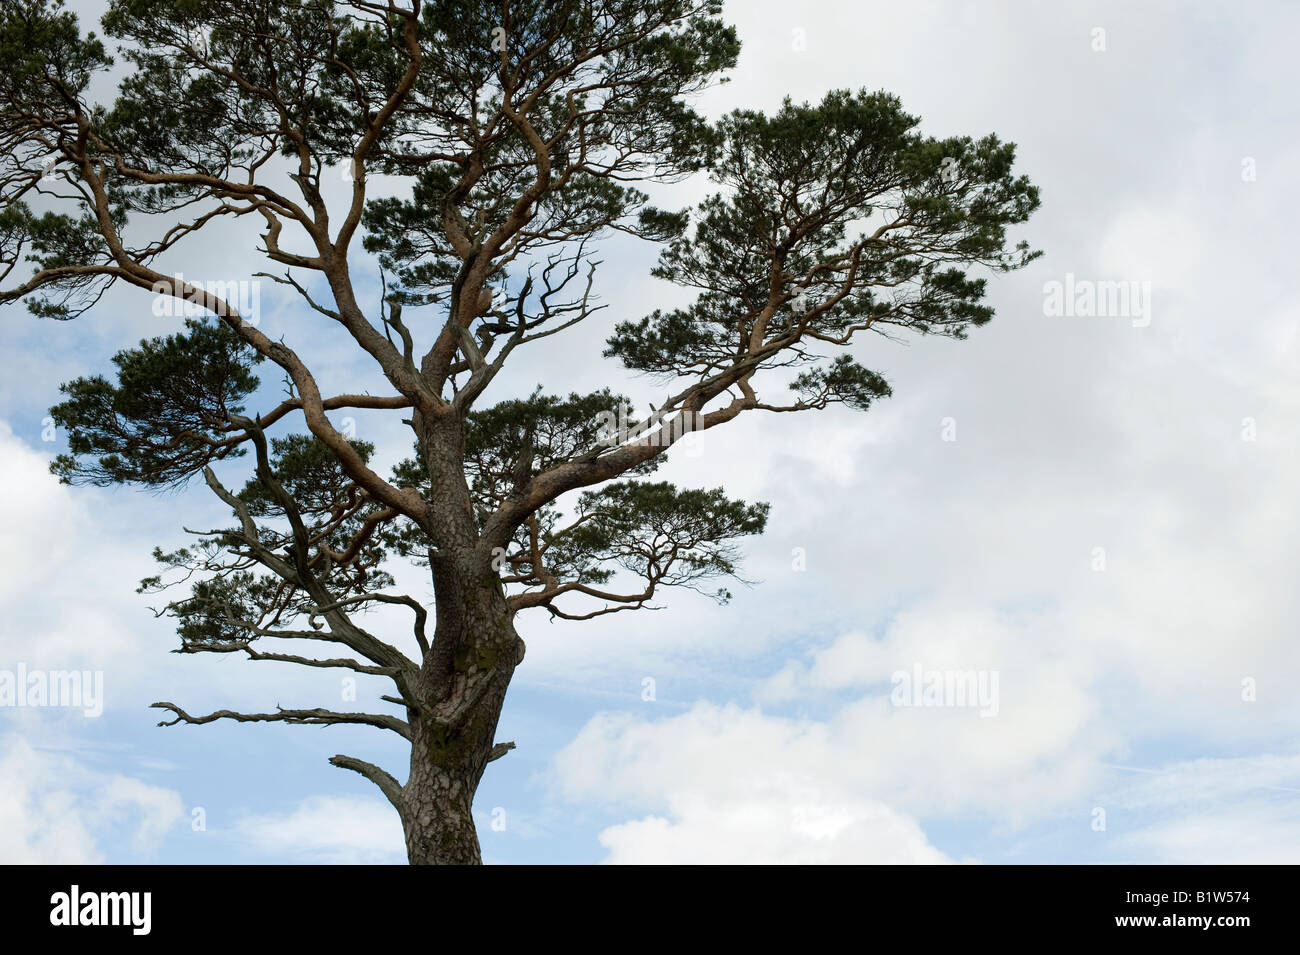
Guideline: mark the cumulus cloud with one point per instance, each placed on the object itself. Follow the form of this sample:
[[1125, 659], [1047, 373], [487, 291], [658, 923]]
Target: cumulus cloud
[[53, 807], [777, 826], [730, 785], [46, 514], [67, 578], [327, 830]]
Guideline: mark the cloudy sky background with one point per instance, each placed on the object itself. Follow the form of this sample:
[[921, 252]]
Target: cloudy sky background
[[771, 737]]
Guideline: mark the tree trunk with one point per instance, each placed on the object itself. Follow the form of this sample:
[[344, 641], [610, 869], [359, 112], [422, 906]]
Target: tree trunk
[[465, 674], [446, 766], [463, 687], [436, 818]]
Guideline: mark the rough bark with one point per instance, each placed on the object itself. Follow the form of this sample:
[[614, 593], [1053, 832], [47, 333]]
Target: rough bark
[[453, 738], [464, 676]]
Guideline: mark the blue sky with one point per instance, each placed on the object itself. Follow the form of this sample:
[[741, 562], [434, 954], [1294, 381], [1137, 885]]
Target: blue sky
[[771, 736]]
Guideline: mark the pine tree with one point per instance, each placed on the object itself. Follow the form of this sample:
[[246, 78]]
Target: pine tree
[[520, 132]]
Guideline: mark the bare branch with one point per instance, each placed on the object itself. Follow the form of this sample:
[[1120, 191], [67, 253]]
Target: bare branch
[[316, 717], [389, 786]]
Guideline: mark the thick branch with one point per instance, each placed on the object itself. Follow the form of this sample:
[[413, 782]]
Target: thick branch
[[389, 786]]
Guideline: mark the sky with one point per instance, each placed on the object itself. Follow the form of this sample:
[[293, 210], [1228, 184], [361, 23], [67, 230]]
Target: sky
[[1094, 513]]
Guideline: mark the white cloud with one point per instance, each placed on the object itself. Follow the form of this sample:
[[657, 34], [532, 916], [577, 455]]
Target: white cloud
[[66, 575], [52, 806], [46, 514], [735, 785], [1240, 811], [774, 824], [729, 785], [328, 829]]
